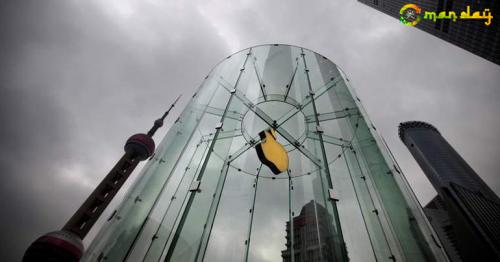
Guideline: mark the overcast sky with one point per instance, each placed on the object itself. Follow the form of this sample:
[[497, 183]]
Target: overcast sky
[[78, 77]]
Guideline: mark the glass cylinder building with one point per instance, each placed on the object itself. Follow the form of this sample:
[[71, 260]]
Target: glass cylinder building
[[206, 195]]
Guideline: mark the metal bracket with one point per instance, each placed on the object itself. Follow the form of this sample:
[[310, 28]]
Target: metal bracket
[[332, 195], [195, 186], [137, 199]]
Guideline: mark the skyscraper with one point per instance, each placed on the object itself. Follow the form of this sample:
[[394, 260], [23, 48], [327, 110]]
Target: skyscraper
[[473, 207], [211, 193], [472, 35], [440, 220], [66, 245], [307, 245]]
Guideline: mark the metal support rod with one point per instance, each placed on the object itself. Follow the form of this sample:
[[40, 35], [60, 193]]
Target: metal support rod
[[356, 193], [290, 218], [249, 234], [342, 256], [320, 91], [212, 213], [261, 84], [270, 121], [165, 183], [184, 201], [170, 203], [289, 86], [390, 229]]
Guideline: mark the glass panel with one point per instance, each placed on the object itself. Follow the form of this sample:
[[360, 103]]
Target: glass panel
[[173, 209], [149, 226], [278, 69], [187, 240], [268, 236], [312, 223], [369, 212], [229, 69], [229, 233], [190, 239], [426, 238], [359, 244]]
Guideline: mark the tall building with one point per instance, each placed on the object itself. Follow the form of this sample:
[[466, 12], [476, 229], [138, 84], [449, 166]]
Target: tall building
[[440, 220], [473, 207], [211, 193], [307, 245], [66, 245], [472, 35]]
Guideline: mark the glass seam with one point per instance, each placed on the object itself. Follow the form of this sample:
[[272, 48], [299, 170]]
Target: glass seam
[[249, 234]]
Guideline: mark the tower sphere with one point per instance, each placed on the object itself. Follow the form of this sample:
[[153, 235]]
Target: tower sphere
[[55, 246], [158, 122], [140, 145]]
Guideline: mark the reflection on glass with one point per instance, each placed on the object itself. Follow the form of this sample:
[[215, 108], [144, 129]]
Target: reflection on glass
[[308, 243]]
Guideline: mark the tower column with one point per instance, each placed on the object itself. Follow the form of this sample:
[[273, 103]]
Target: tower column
[[66, 245]]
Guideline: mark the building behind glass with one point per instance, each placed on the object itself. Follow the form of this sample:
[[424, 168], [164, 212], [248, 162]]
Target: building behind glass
[[206, 196], [471, 35]]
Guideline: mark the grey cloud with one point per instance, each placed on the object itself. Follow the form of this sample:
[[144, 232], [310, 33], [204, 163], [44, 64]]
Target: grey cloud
[[75, 83]]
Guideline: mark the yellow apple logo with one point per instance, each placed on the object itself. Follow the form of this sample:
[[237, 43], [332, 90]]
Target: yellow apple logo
[[271, 153]]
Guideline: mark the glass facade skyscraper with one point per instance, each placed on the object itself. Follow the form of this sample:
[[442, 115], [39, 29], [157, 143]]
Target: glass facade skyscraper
[[473, 208], [206, 196], [471, 35], [440, 220]]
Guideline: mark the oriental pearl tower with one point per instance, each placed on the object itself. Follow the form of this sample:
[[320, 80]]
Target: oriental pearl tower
[[66, 244]]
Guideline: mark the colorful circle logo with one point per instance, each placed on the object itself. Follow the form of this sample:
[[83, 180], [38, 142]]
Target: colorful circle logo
[[409, 14]]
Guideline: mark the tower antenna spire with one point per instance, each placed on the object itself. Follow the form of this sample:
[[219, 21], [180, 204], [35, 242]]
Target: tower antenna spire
[[159, 122]]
